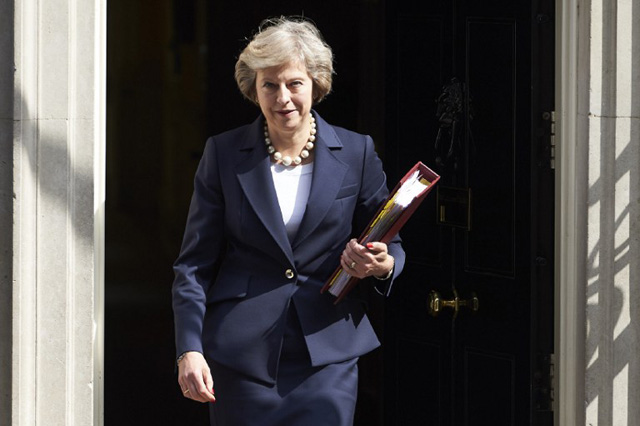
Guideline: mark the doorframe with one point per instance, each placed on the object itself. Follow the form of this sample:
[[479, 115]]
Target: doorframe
[[570, 238], [570, 220]]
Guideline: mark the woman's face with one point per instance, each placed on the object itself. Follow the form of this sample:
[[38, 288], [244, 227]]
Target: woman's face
[[285, 96]]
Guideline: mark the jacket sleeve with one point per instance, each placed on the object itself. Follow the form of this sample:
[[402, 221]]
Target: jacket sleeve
[[201, 249], [373, 193]]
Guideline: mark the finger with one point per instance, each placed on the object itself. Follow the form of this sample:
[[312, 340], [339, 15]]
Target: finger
[[193, 387], [358, 261], [377, 247], [190, 392], [185, 380], [184, 387], [356, 251], [368, 258], [349, 270], [208, 382], [359, 266], [346, 264], [195, 394], [349, 250], [350, 260], [204, 394], [185, 391], [197, 388]]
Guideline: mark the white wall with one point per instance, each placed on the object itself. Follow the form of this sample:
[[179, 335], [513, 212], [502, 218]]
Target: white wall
[[598, 221], [613, 208], [52, 71]]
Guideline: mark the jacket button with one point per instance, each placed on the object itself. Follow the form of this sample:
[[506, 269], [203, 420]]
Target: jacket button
[[289, 273]]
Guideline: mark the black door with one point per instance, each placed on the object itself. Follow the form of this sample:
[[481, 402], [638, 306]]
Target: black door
[[470, 93]]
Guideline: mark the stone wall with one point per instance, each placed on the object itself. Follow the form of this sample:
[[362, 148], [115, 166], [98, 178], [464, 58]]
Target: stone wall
[[52, 73], [612, 119]]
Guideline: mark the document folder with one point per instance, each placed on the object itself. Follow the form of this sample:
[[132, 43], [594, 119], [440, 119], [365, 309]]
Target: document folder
[[387, 222]]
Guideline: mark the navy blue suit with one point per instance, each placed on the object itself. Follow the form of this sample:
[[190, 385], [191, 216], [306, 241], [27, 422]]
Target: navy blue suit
[[238, 272]]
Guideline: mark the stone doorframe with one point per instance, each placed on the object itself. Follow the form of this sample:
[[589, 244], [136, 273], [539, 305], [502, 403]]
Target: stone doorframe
[[52, 194], [52, 174], [571, 195]]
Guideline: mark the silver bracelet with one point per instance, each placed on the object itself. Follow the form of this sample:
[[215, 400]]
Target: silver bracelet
[[386, 277], [181, 357]]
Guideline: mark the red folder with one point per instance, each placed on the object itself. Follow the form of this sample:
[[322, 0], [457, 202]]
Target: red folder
[[386, 223]]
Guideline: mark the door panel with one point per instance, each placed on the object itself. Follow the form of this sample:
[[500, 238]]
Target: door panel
[[492, 134], [461, 367], [489, 374], [411, 138], [421, 353]]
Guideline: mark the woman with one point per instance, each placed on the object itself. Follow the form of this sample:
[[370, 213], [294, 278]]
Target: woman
[[276, 206]]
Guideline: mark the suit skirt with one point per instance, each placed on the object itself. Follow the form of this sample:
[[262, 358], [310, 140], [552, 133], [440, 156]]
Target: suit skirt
[[303, 395]]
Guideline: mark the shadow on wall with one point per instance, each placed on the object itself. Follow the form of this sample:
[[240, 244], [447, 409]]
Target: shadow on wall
[[613, 292], [49, 220]]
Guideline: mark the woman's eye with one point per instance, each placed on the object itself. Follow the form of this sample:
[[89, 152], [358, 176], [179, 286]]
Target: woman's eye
[[267, 85]]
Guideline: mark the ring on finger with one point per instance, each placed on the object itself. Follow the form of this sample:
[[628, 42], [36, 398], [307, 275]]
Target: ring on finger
[[353, 265], [186, 391]]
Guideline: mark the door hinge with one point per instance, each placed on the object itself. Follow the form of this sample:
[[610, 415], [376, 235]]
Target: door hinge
[[550, 116], [544, 382]]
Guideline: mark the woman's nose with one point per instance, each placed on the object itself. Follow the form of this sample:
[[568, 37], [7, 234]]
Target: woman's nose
[[283, 95]]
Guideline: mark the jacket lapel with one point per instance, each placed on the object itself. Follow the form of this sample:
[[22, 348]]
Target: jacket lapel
[[256, 181], [328, 174]]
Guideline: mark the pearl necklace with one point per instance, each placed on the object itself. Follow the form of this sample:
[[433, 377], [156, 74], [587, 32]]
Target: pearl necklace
[[286, 160]]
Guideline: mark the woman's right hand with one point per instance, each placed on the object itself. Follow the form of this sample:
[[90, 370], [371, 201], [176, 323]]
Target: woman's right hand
[[194, 377]]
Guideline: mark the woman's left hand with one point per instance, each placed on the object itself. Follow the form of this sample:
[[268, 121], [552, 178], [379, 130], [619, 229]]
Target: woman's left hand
[[372, 260]]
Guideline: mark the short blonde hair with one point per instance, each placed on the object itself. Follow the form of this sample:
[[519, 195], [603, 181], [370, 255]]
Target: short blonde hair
[[280, 41]]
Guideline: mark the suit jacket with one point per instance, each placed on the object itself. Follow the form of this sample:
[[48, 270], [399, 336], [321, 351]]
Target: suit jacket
[[237, 271]]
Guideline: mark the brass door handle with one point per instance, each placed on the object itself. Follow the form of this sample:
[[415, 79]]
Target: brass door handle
[[437, 304]]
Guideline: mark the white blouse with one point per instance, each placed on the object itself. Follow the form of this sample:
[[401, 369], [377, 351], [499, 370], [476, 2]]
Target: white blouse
[[293, 185]]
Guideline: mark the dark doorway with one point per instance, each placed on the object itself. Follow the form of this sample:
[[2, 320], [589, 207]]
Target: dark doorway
[[469, 327], [170, 85]]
